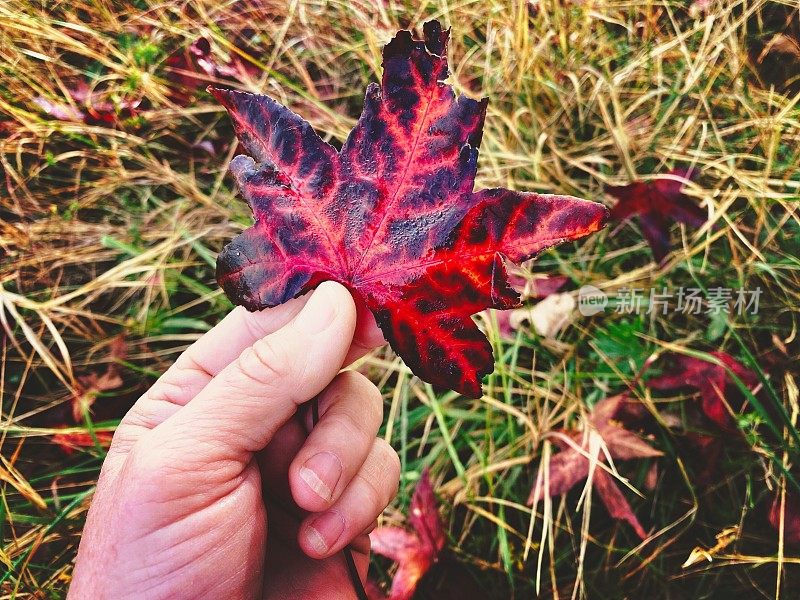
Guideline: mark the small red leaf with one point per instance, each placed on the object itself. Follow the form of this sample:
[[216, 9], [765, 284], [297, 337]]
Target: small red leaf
[[542, 287], [615, 502], [71, 441], [393, 215], [570, 466], [414, 552], [100, 109], [712, 381], [657, 204]]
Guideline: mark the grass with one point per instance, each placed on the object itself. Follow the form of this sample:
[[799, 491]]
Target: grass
[[110, 228]]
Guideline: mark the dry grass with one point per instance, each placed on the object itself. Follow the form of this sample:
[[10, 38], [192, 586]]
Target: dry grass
[[109, 228]]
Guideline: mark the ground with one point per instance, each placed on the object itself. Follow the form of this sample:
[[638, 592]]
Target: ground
[[116, 200]]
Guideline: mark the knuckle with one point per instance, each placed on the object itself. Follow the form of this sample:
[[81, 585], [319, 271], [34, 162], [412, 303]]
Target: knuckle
[[391, 465], [144, 464], [382, 471], [264, 363], [373, 496], [349, 421], [254, 323]]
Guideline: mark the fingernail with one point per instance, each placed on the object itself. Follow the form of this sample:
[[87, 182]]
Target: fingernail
[[321, 473], [324, 531], [319, 311]]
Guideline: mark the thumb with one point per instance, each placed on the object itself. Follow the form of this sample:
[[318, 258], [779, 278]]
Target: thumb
[[241, 408]]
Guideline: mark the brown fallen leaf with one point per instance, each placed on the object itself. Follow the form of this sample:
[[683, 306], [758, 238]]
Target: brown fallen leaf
[[552, 314], [509, 321], [572, 463]]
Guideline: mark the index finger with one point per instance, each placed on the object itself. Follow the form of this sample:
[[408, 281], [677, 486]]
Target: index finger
[[218, 348]]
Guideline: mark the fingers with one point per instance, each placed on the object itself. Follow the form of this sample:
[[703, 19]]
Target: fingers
[[241, 408], [219, 347], [362, 501], [351, 412], [193, 369]]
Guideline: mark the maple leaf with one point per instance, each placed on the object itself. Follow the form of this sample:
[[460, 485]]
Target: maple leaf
[[392, 216], [415, 552], [712, 381], [570, 465], [71, 441], [656, 204]]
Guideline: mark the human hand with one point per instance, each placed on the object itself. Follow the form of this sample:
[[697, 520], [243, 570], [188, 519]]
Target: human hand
[[217, 450]]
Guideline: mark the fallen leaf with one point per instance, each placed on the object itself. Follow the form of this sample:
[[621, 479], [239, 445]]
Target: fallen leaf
[[615, 502], [100, 108], [547, 317], [791, 516], [552, 314], [71, 441], [89, 386], [705, 453], [657, 204], [571, 464], [195, 66], [89, 106], [392, 216], [542, 287], [712, 381], [414, 551], [536, 286], [509, 321]]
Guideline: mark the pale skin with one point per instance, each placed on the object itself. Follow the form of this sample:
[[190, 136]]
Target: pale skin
[[217, 486]]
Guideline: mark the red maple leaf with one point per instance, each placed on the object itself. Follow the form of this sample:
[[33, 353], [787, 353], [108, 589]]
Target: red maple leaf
[[392, 216], [415, 552], [657, 204], [712, 381], [571, 464]]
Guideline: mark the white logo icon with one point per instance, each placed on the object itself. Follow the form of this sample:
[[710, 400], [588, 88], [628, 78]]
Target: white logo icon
[[591, 300]]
